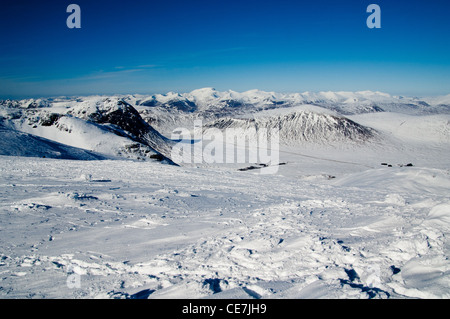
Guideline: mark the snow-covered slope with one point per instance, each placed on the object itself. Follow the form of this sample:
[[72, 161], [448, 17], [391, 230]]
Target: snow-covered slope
[[105, 125], [300, 127], [425, 129], [125, 120], [106, 230], [16, 143], [87, 135]]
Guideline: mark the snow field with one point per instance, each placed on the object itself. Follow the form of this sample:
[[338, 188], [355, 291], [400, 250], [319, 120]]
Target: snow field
[[128, 229], [333, 222]]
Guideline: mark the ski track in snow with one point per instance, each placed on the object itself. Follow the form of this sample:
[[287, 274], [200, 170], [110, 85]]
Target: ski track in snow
[[129, 229]]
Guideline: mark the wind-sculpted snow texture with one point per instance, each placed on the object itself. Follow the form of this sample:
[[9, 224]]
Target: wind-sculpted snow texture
[[125, 227], [360, 207]]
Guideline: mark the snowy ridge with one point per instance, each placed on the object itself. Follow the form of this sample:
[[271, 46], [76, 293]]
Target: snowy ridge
[[299, 127], [105, 125], [167, 111], [16, 143], [208, 99], [126, 120]]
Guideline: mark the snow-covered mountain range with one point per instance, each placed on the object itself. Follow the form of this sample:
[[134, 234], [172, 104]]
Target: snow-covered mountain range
[[208, 99], [139, 126], [108, 126], [357, 207]]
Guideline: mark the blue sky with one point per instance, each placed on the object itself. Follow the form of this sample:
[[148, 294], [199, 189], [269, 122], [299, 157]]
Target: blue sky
[[286, 46]]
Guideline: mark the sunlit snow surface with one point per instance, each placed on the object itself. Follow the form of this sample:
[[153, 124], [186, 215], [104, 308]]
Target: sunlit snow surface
[[118, 228], [330, 223]]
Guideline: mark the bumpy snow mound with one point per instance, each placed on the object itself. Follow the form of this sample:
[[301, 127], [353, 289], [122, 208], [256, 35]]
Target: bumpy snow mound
[[300, 127], [398, 179]]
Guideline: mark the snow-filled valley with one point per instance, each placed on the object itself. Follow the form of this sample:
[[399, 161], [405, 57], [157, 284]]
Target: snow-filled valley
[[93, 205]]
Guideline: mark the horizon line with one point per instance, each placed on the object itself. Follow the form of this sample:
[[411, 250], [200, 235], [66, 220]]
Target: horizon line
[[167, 92]]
